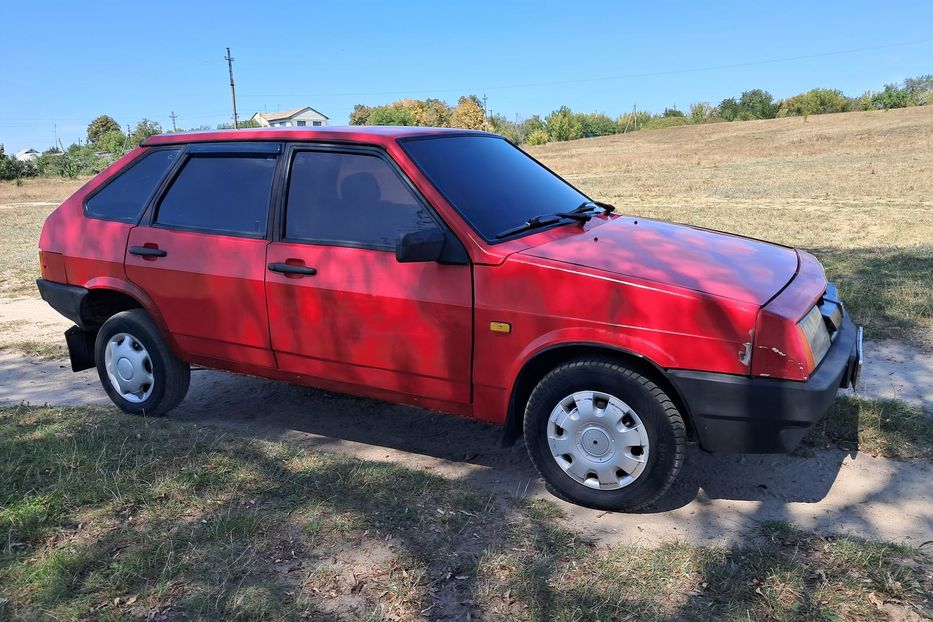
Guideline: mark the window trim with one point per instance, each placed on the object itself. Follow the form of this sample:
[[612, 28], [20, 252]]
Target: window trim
[[361, 150], [490, 241], [219, 150], [179, 149]]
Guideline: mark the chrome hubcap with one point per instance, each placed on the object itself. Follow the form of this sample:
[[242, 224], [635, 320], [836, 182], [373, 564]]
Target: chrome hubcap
[[598, 440], [129, 367]]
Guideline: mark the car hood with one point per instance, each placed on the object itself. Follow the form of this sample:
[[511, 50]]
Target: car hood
[[716, 263]]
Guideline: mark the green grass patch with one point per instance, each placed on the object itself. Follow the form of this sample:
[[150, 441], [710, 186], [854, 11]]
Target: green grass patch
[[888, 428], [886, 289], [104, 516]]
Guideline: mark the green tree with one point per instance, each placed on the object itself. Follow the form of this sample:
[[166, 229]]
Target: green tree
[[729, 109], [891, 97], [672, 112], [113, 142], [597, 124], [757, 104], [392, 114], [562, 124], [143, 130], [100, 126]]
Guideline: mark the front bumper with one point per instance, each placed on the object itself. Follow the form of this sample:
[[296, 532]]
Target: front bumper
[[738, 414]]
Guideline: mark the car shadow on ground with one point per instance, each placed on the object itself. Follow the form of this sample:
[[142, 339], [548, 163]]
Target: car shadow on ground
[[421, 438]]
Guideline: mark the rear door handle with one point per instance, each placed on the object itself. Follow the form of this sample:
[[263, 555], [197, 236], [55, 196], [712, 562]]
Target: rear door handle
[[287, 268], [145, 251]]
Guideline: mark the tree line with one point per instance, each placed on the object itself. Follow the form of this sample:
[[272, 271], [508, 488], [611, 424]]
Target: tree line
[[565, 124], [106, 141]]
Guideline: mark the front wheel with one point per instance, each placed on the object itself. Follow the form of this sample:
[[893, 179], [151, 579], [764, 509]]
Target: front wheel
[[136, 366], [603, 435]]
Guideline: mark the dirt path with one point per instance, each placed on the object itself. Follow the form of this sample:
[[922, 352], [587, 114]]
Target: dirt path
[[718, 499]]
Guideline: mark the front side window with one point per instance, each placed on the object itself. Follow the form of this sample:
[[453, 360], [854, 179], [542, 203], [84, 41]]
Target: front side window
[[124, 198], [225, 194], [493, 184], [350, 199]]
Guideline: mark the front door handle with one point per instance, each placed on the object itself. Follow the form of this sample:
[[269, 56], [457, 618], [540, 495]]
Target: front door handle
[[291, 269], [145, 251]]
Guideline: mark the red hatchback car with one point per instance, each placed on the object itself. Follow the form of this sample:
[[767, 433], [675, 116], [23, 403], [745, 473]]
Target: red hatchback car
[[450, 270]]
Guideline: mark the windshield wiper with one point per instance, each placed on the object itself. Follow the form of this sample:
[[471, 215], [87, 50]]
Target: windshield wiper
[[587, 210], [531, 223], [581, 213]]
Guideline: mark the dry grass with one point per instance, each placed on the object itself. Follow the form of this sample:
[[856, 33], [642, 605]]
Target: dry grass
[[855, 188], [110, 517], [45, 189]]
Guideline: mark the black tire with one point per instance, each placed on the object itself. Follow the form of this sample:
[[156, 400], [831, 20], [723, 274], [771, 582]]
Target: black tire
[[662, 422], [171, 376]]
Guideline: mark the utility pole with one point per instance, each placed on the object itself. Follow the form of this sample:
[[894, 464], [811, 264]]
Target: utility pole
[[485, 115], [173, 117], [229, 59]]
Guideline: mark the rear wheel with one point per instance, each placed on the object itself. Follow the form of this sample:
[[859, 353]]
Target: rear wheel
[[603, 435], [136, 366]]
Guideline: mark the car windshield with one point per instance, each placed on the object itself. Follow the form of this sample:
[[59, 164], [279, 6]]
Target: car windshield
[[494, 185]]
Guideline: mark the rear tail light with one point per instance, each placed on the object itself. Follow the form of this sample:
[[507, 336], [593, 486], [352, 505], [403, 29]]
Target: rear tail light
[[814, 330], [52, 266]]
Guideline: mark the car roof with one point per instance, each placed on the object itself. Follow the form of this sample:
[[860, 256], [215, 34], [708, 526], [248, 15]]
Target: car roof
[[378, 134]]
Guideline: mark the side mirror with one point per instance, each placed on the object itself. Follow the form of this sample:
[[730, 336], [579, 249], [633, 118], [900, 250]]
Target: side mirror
[[425, 245]]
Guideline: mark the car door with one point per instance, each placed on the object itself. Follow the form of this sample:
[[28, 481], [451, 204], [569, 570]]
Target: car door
[[345, 310], [201, 257]]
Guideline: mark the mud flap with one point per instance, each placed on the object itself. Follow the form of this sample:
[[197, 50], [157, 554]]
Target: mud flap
[[80, 347]]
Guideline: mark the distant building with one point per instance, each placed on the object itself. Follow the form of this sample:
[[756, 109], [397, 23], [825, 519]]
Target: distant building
[[27, 155], [296, 117]]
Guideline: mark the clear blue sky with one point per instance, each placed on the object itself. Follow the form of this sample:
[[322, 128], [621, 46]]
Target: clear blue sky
[[66, 62]]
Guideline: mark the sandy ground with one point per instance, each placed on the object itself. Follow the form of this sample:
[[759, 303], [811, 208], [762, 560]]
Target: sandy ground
[[717, 499]]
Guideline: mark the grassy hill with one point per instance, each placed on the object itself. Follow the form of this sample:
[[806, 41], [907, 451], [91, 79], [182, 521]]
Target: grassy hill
[[854, 188]]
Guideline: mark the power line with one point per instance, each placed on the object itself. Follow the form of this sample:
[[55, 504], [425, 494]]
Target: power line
[[615, 77], [229, 60]]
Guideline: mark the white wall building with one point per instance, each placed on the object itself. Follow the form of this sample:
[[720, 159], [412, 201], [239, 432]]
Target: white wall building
[[27, 155], [296, 117]]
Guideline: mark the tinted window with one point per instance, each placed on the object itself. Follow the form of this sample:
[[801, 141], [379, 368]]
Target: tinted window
[[124, 198], [492, 183], [349, 198], [221, 194]]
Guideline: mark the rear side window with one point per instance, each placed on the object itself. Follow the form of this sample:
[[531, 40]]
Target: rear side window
[[225, 194], [350, 199], [125, 197]]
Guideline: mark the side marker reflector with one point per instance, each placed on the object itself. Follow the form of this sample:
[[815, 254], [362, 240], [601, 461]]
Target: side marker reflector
[[500, 327]]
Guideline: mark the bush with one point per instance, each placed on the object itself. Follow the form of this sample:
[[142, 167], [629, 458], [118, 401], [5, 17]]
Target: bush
[[672, 112], [596, 124], [891, 97], [815, 101], [702, 112], [663, 122], [537, 137]]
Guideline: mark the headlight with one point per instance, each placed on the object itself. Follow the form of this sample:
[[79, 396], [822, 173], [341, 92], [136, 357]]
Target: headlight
[[817, 335]]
